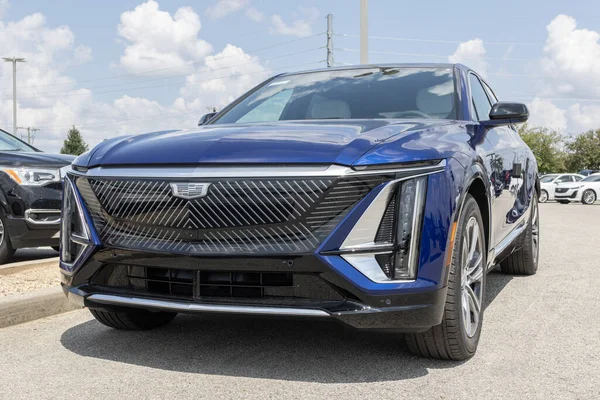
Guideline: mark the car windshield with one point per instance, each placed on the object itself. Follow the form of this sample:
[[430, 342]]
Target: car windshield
[[548, 178], [350, 94], [10, 143], [591, 178]]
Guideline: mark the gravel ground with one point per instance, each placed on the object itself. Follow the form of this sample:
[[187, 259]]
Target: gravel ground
[[30, 280], [540, 340]]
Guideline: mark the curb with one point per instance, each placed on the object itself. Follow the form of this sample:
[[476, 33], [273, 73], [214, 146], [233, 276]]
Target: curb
[[25, 265], [19, 308]]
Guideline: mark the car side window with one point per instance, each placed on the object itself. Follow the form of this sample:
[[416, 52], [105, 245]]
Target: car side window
[[562, 179], [490, 93], [577, 178], [481, 103]]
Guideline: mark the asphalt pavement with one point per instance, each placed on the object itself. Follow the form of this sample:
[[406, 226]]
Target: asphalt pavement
[[540, 340]]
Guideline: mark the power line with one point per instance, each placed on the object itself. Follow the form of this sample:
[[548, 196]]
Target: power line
[[438, 40], [162, 85], [437, 55], [35, 95], [110, 122], [180, 66]]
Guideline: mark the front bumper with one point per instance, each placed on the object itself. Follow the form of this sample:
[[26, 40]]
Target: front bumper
[[571, 194], [25, 233]]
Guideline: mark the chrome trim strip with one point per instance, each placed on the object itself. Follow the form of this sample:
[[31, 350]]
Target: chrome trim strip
[[417, 219], [41, 211], [249, 171], [367, 265], [500, 247], [195, 307]]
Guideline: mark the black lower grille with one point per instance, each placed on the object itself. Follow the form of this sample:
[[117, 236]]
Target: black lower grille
[[210, 284]]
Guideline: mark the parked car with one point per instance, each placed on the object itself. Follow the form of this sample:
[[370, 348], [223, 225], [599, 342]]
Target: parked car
[[30, 196], [587, 172], [586, 191], [362, 194], [549, 182]]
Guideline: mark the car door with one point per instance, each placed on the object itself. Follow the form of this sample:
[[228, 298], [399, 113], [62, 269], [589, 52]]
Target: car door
[[501, 155]]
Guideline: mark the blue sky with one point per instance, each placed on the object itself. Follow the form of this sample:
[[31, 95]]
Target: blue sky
[[117, 67]]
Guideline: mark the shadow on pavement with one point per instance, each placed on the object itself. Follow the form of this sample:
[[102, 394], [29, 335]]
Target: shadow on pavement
[[297, 350], [30, 254]]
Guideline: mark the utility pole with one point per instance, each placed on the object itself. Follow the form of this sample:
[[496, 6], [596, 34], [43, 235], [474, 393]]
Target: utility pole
[[364, 31], [329, 40], [14, 61], [30, 133]]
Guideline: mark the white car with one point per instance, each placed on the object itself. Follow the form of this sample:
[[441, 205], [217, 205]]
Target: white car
[[586, 190], [549, 182]]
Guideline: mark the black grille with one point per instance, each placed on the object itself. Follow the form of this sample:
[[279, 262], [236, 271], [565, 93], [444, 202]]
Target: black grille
[[212, 284], [561, 190], [385, 233], [235, 216]]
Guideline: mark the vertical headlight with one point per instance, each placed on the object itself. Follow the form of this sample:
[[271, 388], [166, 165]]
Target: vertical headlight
[[75, 237], [384, 243]]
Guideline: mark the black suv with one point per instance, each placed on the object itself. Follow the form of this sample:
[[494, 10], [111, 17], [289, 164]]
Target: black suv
[[30, 196]]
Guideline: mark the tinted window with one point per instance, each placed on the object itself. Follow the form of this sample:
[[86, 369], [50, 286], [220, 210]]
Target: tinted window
[[577, 178], [564, 178], [414, 93], [548, 178], [480, 100]]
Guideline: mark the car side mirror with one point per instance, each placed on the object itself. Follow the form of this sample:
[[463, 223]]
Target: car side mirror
[[206, 117], [506, 113]]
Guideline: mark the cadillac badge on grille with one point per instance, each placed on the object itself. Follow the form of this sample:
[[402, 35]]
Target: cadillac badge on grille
[[190, 190]]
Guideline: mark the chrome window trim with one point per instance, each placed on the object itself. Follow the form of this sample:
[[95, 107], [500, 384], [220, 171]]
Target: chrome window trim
[[249, 171], [41, 211], [367, 265], [195, 307]]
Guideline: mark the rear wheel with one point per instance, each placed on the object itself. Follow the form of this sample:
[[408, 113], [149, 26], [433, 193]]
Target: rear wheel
[[6, 250], [588, 197], [543, 196], [525, 260], [456, 338], [133, 320]]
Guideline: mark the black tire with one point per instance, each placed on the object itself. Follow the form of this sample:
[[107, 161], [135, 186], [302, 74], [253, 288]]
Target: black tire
[[543, 196], [6, 249], [450, 340], [56, 248], [588, 197], [525, 260], [563, 201], [134, 320]]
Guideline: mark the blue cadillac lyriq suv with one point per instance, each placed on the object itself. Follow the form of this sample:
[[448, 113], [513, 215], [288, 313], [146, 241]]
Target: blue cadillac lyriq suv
[[378, 196]]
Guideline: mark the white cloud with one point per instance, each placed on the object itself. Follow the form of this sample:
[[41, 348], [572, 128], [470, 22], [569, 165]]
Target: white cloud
[[158, 40], [223, 8], [50, 99], [301, 26], [571, 58], [471, 53], [545, 113], [255, 15], [584, 117]]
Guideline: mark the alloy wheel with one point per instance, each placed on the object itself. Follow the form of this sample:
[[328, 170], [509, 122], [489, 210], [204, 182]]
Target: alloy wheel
[[472, 277], [543, 196], [589, 197], [1, 232], [535, 231]]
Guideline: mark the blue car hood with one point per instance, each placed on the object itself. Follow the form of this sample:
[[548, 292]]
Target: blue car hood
[[334, 142]]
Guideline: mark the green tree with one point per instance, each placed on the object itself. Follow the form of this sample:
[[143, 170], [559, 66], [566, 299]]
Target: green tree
[[584, 151], [74, 143], [546, 146]]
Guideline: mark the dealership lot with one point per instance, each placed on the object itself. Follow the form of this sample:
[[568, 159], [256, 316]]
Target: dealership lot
[[540, 340]]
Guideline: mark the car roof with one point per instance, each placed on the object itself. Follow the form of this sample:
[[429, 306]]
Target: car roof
[[385, 65]]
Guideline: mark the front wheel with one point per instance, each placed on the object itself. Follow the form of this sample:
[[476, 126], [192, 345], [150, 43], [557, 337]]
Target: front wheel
[[543, 196], [588, 197], [134, 319], [456, 338], [525, 260], [6, 250]]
